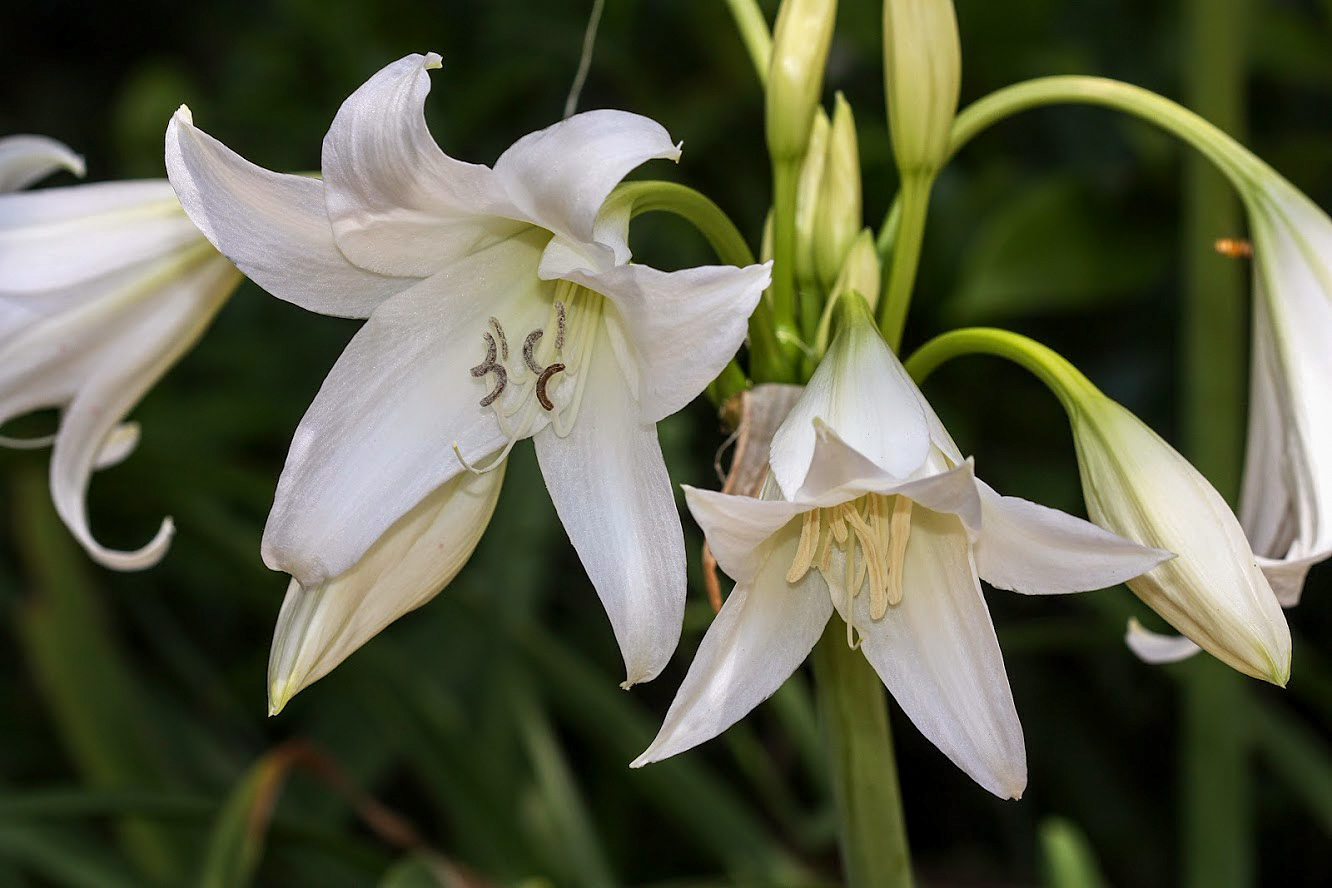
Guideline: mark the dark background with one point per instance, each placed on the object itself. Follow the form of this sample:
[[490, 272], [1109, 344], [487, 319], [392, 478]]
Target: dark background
[[132, 706]]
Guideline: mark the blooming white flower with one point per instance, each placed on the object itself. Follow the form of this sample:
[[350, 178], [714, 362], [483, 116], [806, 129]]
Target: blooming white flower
[[501, 306], [872, 512], [102, 288]]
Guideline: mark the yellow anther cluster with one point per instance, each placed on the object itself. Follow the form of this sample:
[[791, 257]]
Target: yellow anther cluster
[[875, 525]]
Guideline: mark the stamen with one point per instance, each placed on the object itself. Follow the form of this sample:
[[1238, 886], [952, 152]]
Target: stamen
[[809, 540], [528, 344], [900, 532], [484, 367], [494, 463], [501, 380], [559, 326], [541, 384], [499, 333]]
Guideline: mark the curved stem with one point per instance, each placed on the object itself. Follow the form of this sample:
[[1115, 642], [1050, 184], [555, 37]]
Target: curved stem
[[1047, 365], [1231, 157], [694, 207], [753, 28]]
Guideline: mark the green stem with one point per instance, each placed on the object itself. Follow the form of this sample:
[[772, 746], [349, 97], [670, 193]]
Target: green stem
[[753, 28], [914, 200], [1235, 161], [854, 715], [785, 179], [1215, 743]]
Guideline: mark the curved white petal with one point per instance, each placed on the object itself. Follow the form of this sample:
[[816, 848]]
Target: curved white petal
[[410, 564], [609, 246], [118, 446], [379, 436], [838, 473], [1028, 548], [1155, 647], [560, 176], [177, 309], [28, 159], [1286, 575], [764, 631], [682, 327], [738, 527], [273, 226], [861, 391], [937, 653], [398, 204], [57, 237], [609, 485], [1138, 486]]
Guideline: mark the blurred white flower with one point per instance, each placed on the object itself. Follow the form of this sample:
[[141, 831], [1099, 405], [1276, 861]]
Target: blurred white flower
[[102, 288], [501, 306], [872, 512]]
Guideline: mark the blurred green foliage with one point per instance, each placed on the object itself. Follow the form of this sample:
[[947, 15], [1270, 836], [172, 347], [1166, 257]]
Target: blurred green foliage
[[483, 740]]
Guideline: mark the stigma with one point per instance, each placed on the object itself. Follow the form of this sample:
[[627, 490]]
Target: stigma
[[871, 532]]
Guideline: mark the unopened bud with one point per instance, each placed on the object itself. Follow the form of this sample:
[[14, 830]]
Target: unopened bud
[[800, 43], [861, 271], [838, 216], [1140, 487], [922, 70], [807, 199]]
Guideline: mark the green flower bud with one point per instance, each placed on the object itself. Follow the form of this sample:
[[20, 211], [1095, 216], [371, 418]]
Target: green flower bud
[[795, 79], [861, 271], [922, 71], [838, 216], [807, 199]]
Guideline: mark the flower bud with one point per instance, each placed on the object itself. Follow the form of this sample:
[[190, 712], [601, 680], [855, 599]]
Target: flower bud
[[861, 271], [922, 71], [1138, 486], [800, 43], [807, 199], [838, 215]]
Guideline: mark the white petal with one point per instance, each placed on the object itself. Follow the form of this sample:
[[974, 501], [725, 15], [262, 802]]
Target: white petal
[[273, 226], [861, 391], [937, 653], [609, 485], [764, 631], [561, 175], [609, 246], [398, 204], [417, 557], [28, 159], [682, 326], [167, 323], [379, 436], [737, 527], [1028, 548], [838, 473], [57, 237], [1286, 575], [118, 446], [1155, 647]]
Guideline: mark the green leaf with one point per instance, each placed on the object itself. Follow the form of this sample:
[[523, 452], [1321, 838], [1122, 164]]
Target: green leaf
[[237, 840], [1066, 856]]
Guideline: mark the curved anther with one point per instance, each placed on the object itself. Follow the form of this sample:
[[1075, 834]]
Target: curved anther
[[544, 378], [501, 380]]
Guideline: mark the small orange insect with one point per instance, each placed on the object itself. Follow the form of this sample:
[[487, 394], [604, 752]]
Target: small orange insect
[[1233, 248]]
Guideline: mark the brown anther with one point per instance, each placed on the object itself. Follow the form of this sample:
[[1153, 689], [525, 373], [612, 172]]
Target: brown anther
[[501, 380], [485, 366], [499, 334], [559, 326], [544, 378], [1233, 248], [528, 344]]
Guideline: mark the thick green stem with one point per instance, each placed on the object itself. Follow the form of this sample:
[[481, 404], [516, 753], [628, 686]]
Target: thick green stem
[[754, 32], [1214, 742], [854, 714], [785, 178], [914, 200]]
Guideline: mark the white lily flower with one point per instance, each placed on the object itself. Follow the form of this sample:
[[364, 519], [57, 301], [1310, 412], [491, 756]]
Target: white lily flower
[[102, 288], [501, 306], [1286, 500], [872, 513]]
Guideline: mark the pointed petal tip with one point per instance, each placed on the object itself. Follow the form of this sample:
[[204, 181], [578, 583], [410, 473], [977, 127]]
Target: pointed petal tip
[[280, 693], [137, 559], [184, 115], [432, 61]]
